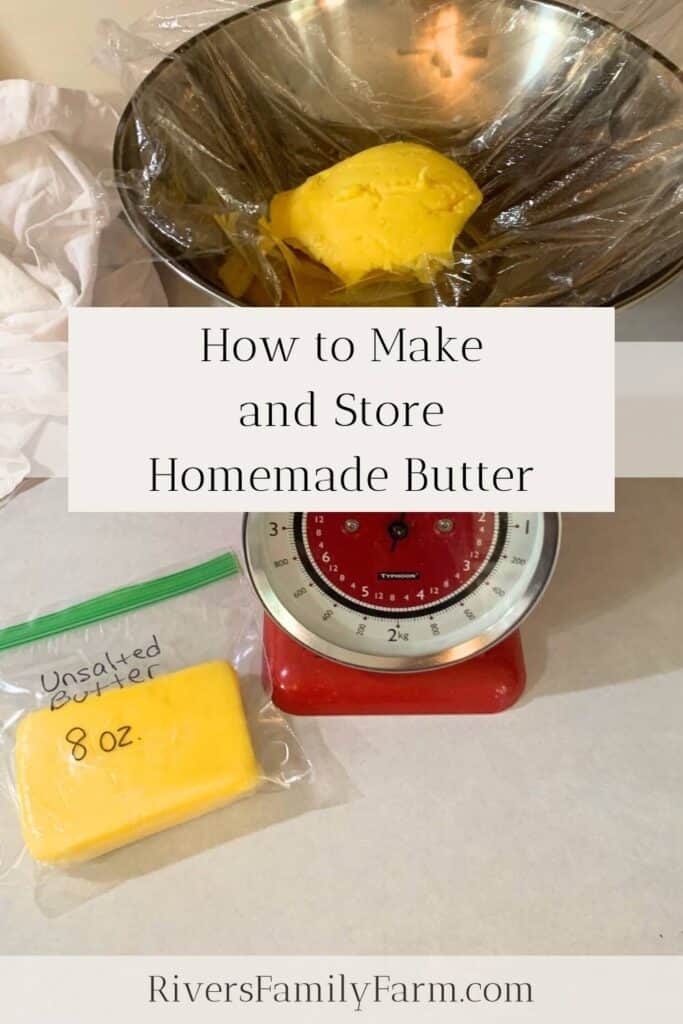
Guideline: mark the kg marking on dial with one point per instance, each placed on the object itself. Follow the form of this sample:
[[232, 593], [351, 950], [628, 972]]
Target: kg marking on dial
[[399, 591]]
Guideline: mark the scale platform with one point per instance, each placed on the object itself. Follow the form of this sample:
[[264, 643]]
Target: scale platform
[[304, 683]]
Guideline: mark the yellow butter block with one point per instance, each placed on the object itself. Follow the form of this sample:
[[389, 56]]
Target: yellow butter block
[[397, 208], [96, 775]]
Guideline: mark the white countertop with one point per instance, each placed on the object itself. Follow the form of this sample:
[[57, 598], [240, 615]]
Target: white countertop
[[555, 827]]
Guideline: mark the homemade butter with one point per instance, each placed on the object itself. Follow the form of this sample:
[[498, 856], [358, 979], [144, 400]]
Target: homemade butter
[[396, 208], [95, 775]]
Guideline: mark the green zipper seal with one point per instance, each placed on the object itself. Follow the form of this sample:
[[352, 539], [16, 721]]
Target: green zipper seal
[[118, 602]]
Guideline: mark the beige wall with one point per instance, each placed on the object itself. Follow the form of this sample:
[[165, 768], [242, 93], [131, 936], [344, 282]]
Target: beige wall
[[54, 42]]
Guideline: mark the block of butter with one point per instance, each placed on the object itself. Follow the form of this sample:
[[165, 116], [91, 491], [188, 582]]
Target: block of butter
[[96, 775]]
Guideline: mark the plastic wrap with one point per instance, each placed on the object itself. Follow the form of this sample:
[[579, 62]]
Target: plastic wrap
[[572, 128], [187, 617]]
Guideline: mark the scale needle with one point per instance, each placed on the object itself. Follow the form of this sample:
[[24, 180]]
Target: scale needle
[[398, 530]]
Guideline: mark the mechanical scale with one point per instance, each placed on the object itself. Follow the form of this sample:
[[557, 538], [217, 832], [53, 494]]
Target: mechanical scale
[[391, 613]]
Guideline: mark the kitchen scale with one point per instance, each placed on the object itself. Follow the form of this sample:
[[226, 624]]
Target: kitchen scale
[[397, 612]]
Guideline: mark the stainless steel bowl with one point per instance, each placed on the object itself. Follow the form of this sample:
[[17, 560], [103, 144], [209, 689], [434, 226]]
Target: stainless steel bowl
[[573, 128]]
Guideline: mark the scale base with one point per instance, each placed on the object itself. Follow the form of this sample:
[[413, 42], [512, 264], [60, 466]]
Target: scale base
[[303, 683]]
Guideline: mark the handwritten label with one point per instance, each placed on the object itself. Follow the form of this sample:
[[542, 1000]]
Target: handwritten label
[[107, 741], [110, 670]]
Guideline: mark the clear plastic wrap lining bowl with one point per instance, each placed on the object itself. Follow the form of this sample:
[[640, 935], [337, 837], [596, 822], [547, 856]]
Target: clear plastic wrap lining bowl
[[572, 128]]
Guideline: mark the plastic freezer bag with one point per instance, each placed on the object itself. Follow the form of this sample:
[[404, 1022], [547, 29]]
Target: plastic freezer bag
[[137, 710], [570, 126]]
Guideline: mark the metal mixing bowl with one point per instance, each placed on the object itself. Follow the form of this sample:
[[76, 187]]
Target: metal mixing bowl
[[572, 127]]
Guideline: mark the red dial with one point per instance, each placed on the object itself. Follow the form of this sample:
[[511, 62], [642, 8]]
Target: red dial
[[401, 562]]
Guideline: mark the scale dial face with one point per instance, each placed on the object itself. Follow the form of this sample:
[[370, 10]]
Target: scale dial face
[[402, 591]]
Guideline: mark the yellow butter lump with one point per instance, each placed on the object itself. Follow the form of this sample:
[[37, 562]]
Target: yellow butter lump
[[96, 775], [397, 207]]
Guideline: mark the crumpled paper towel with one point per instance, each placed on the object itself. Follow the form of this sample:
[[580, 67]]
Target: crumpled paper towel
[[62, 244], [32, 412]]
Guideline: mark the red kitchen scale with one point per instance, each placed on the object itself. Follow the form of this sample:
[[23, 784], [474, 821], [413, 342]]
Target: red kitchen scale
[[397, 613]]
